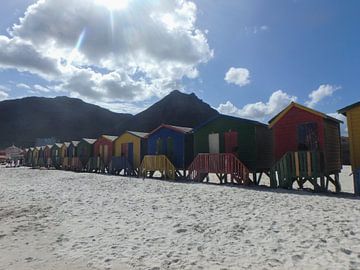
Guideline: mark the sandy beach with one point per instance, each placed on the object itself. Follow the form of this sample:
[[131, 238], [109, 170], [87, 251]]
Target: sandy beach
[[64, 220]]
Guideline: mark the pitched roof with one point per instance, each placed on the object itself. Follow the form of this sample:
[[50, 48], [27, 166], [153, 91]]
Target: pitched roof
[[67, 144], [183, 130], [109, 137], [243, 120], [58, 145], [344, 110], [89, 141], [75, 143], [138, 134], [277, 117]]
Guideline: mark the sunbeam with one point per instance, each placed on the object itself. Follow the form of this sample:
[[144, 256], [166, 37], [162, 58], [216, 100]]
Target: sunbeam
[[75, 51]]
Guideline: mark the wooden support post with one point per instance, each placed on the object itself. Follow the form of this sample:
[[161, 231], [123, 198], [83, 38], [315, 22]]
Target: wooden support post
[[337, 183], [322, 183]]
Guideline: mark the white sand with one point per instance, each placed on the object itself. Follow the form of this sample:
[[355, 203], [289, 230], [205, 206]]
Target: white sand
[[63, 220]]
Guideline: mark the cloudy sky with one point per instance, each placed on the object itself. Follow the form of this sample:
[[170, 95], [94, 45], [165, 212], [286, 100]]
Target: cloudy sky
[[247, 58]]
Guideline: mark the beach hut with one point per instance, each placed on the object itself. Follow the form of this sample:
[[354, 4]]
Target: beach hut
[[64, 159], [35, 157], [129, 150], [85, 150], [169, 151], [232, 148], [352, 113], [47, 156], [55, 154], [41, 156], [103, 152], [307, 148], [74, 160]]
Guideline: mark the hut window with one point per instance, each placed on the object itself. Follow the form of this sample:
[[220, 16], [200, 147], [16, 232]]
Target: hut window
[[308, 138], [214, 143]]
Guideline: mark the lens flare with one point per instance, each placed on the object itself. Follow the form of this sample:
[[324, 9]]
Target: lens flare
[[77, 47], [114, 4]]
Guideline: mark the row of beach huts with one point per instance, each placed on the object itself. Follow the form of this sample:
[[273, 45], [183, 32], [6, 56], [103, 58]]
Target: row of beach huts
[[299, 145]]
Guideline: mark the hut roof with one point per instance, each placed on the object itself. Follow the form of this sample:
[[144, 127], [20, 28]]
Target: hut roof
[[243, 120], [109, 137], [58, 145], [138, 134], [67, 144], [89, 141], [344, 110], [277, 117], [75, 143], [183, 130]]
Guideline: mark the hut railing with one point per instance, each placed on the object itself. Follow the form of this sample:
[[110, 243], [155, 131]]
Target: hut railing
[[222, 163], [153, 163], [296, 165]]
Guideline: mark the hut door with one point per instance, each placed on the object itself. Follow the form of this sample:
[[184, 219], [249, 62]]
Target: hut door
[[124, 150], [106, 153], [308, 138], [231, 142], [214, 143]]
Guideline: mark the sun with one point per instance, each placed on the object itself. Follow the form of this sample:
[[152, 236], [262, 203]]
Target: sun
[[114, 4]]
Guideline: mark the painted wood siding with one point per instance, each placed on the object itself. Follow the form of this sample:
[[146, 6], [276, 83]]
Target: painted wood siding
[[85, 151], [246, 140], [136, 141], [353, 120], [332, 147], [103, 148], [264, 148], [285, 131], [161, 137]]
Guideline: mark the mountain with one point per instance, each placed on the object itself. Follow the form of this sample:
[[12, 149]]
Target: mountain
[[24, 120], [177, 109]]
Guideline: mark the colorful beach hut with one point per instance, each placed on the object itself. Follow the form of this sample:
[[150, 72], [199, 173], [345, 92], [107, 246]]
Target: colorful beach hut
[[41, 156], [74, 160], [352, 113], [47, 155], [103, 152], [56, 155], [307, 148], [129, 150], [169, 151], [64, 159], [231, 148], [35, 156], [85, 150]]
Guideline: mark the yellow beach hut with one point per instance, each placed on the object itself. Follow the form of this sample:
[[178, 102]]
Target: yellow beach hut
[[129, 150], [352, 113], [64, 159]]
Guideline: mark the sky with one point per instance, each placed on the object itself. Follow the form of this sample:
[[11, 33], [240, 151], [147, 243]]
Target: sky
[[247, 58]]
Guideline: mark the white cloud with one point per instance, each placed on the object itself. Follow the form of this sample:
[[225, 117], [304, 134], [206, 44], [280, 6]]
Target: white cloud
[[238, 76], [324, 90], [41, 88], [125, 54], [256, 29], [3, 95], [21, 55], [23, 85], [259, 111]]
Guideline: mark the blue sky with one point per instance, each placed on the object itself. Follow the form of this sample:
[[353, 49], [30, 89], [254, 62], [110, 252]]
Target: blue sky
[[138, 51]]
